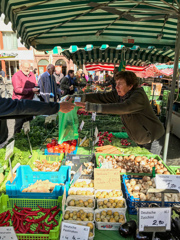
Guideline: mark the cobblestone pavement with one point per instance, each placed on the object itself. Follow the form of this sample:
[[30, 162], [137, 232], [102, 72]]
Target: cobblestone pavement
[[173, 157]]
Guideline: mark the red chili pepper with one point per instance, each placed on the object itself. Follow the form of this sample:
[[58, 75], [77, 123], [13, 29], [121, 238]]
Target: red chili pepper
[[8, 217], [55, 222], [4, 224], [3, 215], [42, 229], [30, 231], [53, 216], [18, 213], [47, 225], [54, 208], [39, 219]]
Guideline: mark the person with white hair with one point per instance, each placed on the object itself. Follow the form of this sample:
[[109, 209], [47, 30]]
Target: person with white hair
[[24, 83], [48, 85]]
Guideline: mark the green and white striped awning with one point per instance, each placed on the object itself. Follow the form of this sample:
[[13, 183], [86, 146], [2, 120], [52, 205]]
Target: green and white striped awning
[[45, 24], [112, 55]]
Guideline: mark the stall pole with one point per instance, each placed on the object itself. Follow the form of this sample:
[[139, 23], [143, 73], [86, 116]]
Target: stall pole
[[176, 60]]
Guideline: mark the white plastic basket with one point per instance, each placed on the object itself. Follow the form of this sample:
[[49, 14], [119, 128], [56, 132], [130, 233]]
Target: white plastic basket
[[75, 190], [118, 209], [108, 225], [87, 210], [80, 197]]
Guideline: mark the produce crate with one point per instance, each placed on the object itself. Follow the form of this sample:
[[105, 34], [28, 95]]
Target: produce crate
[[131, 173], [25, 177], [7, 203], [49, 158], [79, 160], [174, 169], [134, 203], [109, 225], [76, 197]]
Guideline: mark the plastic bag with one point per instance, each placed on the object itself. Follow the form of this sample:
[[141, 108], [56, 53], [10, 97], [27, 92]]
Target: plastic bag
[[68, 126]]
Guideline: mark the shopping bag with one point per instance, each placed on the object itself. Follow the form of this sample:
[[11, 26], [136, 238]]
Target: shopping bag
[[68, 126]]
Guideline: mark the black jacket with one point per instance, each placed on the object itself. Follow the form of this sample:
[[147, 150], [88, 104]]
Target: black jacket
[[12, 109]]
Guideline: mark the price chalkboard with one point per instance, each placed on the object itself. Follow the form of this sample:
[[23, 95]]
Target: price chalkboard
[[154, 217]]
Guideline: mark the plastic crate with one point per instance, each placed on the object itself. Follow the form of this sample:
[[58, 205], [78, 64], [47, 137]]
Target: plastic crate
[[134, 203], [174, 169], [59, 154], [131, 173], [25, 177], [79, 160], [7, 203]]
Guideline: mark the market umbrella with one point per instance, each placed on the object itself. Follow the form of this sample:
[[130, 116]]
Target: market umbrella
[[114, 55], [45, 24]]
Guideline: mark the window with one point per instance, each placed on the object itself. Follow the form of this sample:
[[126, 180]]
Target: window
[[10, 41]]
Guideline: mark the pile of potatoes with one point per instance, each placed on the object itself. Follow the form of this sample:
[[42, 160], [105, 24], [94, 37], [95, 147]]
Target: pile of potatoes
[[81, 203], [109, 216], [135, 164], [84, 184], [80, 192], [111, 203], [105, 194], [80, 215], [138, 188], [91, 225]]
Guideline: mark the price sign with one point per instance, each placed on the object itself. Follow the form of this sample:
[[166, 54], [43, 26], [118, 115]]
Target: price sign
[[7, 233], [94, 116], [26, 127], [9, 150], [77, 175], [154, 217], [84, 139], [96, 132], [50, 118], [107, 179], [71, 231], [77, 99], [168, 182], [95, 141], [81, 126]]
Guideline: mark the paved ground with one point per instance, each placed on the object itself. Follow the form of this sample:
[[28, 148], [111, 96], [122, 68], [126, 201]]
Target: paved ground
[[173, 157]]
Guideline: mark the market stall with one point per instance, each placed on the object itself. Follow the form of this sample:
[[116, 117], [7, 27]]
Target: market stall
[[64, 190]]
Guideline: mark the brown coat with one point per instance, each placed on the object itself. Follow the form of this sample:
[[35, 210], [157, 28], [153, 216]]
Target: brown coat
[[136, 113]]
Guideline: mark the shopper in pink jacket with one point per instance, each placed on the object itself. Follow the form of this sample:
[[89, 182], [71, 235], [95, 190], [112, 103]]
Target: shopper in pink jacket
[[24, 83]]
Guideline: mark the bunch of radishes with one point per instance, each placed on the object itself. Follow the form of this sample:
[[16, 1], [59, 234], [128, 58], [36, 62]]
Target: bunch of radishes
[[104, 136], [125, 142]]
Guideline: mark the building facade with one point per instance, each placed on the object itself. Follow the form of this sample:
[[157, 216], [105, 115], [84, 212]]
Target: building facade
[[12, 53]]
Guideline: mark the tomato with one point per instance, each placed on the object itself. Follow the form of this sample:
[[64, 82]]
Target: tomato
[[73, 143], [64, 144], [56, 151], [72, 148], [51, 150], [56, 148], [69, 151], [61, 146], [67, 146], [61, 151], [49, 145], [53, 143]]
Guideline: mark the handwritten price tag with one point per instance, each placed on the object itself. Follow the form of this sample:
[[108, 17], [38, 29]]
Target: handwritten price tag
[[71, 231], [50, 118], [107, 179], [154, 217], [9, 150], [168, 182], [81, 126], [7, 233], [83, 140], [96, 132], [94, 116], [95, 141], [26, 127]]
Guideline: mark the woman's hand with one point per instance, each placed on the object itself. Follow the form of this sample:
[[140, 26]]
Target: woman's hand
[[66, 107]]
